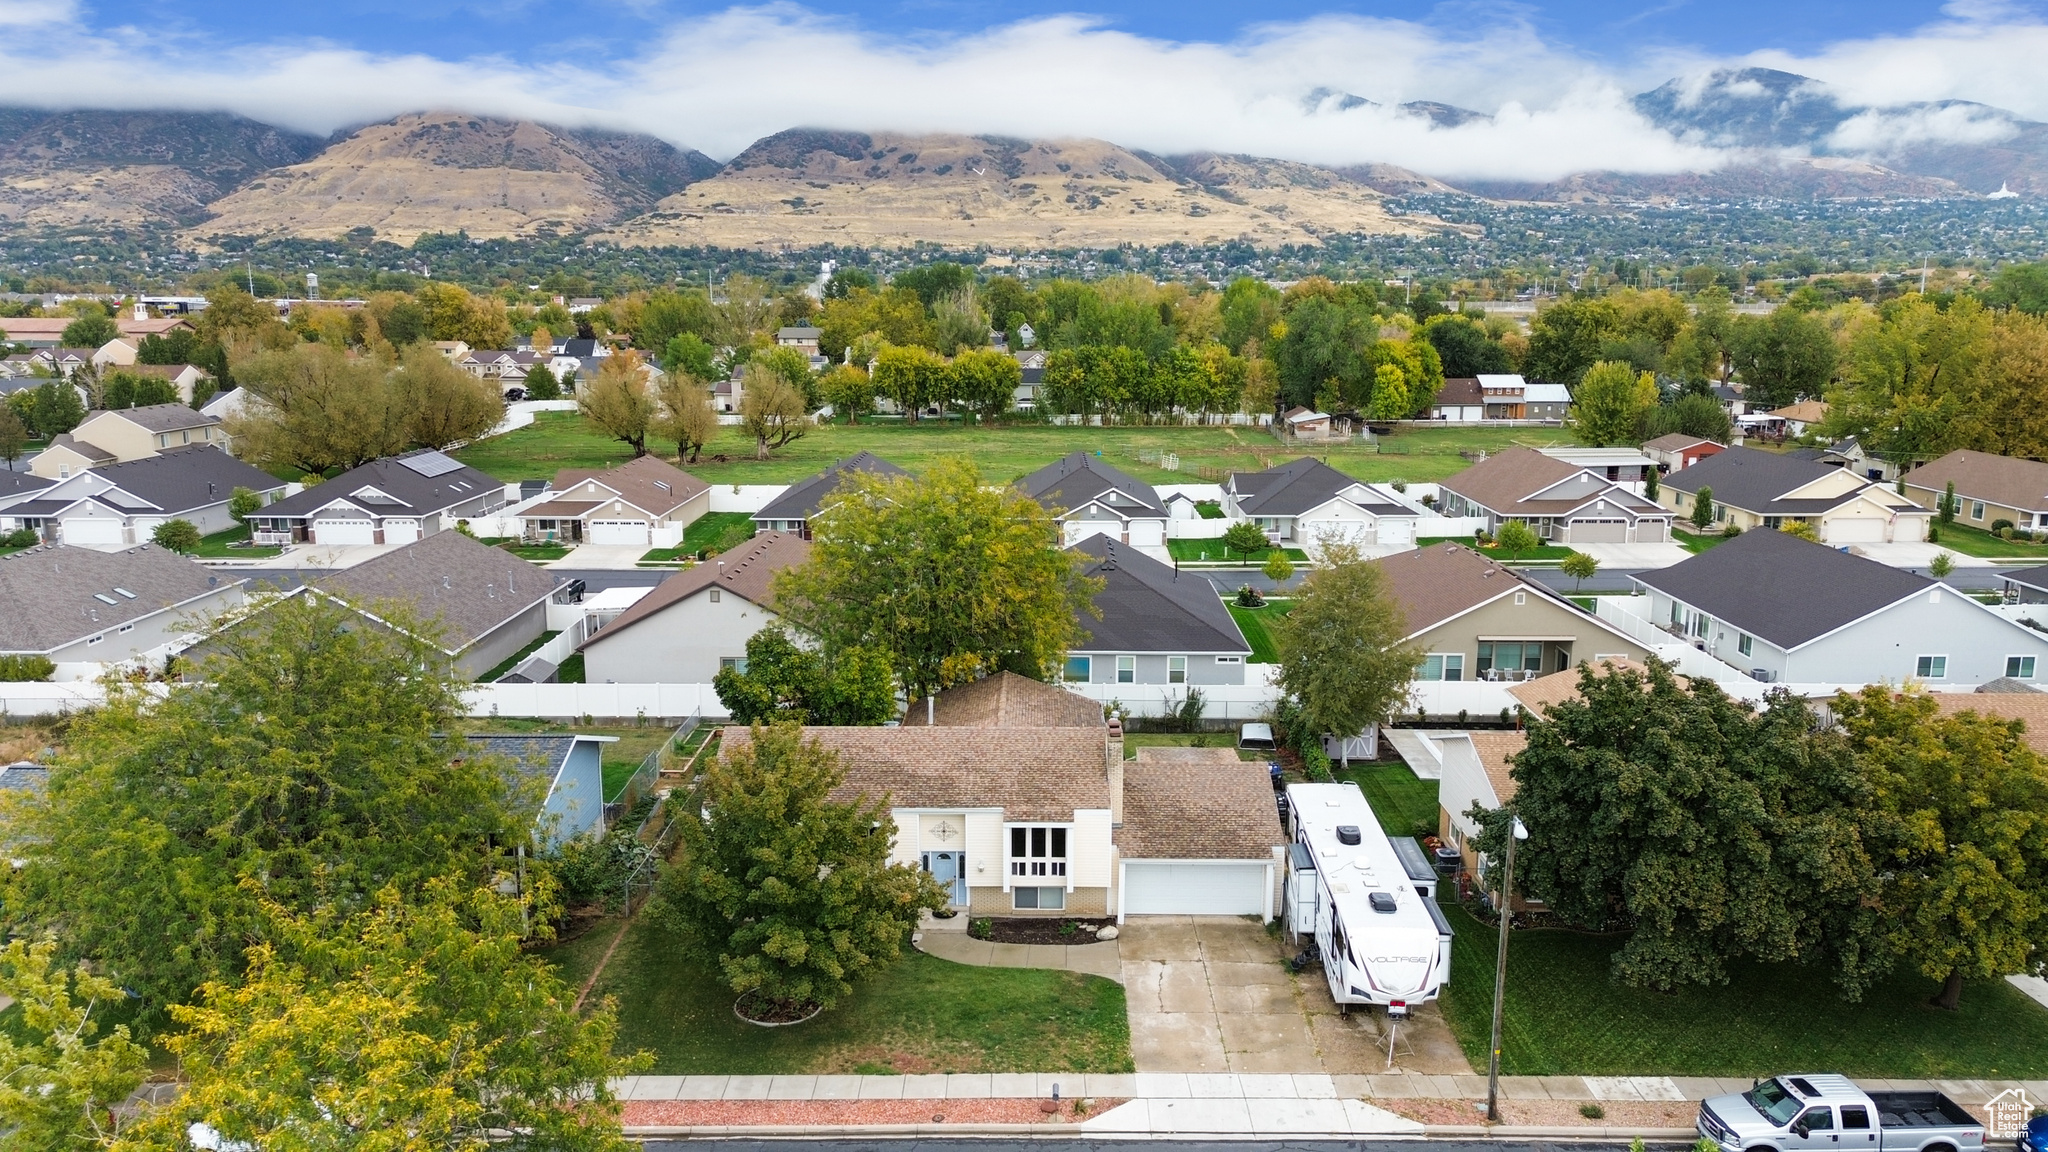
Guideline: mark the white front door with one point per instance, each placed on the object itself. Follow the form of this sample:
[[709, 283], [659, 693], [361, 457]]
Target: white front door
[[619, 532], [339, 532], [1178, 888]]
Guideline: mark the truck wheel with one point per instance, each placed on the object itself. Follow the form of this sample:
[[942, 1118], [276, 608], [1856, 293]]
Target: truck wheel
[[1764, 1148], [1938, 1148]]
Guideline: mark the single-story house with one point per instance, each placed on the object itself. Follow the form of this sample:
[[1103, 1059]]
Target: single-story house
[[1089, 497], [1563, 503], [801, 502], [1459, 399], [112, 437], [1797, 418], [568, 768], [1676, 451], [1782, 608], [2028, 705], [388, 501], [48, 331], [644, 502], [1084, 832], [118, 505], [1306, 501], [1474, 619], [696, 621], [487, 603], [1159, 626], [1622, 465], [1989, 488], [82, 608], [2027, 586], [1758, 489]]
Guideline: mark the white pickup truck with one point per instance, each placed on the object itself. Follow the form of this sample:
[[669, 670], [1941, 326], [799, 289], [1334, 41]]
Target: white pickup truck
[[1822, 1111]]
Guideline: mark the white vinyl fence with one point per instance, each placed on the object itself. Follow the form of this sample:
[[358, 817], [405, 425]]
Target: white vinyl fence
[[665, 702]]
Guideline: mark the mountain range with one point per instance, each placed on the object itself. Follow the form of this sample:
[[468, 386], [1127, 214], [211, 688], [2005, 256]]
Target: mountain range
[[217, 174]]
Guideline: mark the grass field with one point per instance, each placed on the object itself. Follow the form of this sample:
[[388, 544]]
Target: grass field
[[1252, 622], [919, 1015], [557, 440], [1564, 1016], [233, 543], [1136, 740], [1405, 805], [1541, 554]]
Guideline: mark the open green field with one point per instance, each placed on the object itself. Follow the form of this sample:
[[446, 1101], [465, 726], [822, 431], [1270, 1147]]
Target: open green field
[[1564, 1016], [919, 1015], [557, 440], [1253, 623]]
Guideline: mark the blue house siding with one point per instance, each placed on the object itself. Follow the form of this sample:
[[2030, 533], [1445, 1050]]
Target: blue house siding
[[576, 804]]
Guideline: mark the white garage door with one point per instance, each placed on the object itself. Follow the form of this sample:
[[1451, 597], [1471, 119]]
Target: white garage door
[[1152, 532], [1157, 888], [618, 532], [334, 532], [401, 531], [1856, 530], [89, 532], [1397, 531], [1599, 532], [1650, 532], [1076, 531]]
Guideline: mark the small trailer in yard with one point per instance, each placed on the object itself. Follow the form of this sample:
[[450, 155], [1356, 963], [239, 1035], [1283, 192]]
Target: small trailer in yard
[[1815, 1111]]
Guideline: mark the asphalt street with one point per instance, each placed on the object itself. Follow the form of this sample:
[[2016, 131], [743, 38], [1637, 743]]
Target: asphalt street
[[1123, 1144]]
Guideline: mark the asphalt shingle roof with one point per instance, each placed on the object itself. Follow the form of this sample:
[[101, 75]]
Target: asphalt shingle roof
[[184, 479], [1213, 808], [1007, 700], [747, 571], [2015, 483], [1753, 481], [1298, 486], [416, 494], [164, 417], [1031, 773], [802, 499], [1149, 607], [53, 592], [1782, 588], [470, 587], [1079, 478], [648, 483]]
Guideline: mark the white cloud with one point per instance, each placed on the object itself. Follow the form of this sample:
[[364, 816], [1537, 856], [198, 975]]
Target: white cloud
[[30, 13], [1879, 132]]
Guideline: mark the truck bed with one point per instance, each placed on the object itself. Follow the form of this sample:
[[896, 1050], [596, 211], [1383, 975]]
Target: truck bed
[[1920, 1110]]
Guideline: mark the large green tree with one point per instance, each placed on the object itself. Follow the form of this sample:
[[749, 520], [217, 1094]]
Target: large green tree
[[1566, 338], [790, 892], [952, 577], [785, 681], [303, 765], [90, 331], [1342, 659], [1609, 404], [63, 1071], [1781, 358]]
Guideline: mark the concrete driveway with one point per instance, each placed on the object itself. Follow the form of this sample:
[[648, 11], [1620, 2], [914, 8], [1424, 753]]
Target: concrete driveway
[[1636, 556], [1211, 994], [601, 556]]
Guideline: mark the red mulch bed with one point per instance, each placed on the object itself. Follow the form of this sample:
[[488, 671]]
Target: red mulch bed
[[1547, 1113], [692, 1113]]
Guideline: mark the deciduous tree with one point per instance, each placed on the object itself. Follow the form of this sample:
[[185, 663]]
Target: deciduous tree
[[13, 436], [314, 408], [911, 376], [686, 414], [789, 892], [849, 390], [617, 403], [178, 535], [772, 409], [1342, 660], [63, 1073], [1244, 536], [58, 409], [950, 577], [985, 381], [1580, 567], [1608, 405], [1516, 537], [1781, 358], [444, 405], [90, 331], [786, 682]]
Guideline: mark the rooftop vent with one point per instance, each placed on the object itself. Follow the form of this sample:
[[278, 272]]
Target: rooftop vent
[[1347, 834], [1382, 901]]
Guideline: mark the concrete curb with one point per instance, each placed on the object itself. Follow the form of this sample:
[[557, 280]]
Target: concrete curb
[[1541, 1132], [1076, 1131]]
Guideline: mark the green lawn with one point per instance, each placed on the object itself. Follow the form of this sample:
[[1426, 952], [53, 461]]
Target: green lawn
[[1564, 1016], [1968, 541], [571, 671], [714, 531], [1405, 805], [233, 544], [512, 661], [1213, 551], [557, 440], [1538, 554], [1695, 544], [919, 1015], [1252, 622]]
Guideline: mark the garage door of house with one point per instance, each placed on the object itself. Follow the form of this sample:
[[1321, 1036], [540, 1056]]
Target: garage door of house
[[90, 532], [618, 532], [1148, 532], [1650, 532], [335, 532], [1599, 532], [1856, 530], [401, 531], [1225, 888], [1397, 531]]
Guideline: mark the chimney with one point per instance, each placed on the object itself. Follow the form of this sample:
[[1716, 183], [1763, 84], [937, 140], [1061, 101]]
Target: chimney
[[1113, 755]]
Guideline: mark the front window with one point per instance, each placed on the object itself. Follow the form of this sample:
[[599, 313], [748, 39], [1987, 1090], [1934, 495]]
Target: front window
[[1176, 669], [2019, 667], [1512, 656], [1127, 669], [1079, 668], [1442, 666], [1038, 850], [1038, 899], [1932, 668]]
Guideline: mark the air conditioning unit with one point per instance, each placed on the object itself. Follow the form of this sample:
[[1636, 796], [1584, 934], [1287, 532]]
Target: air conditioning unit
[[1763, 674]]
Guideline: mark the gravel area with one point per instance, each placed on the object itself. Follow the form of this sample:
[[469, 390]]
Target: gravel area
[[749, 1112], [1548, 1113]]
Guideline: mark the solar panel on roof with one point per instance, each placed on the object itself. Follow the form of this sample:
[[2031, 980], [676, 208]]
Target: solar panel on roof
[[431, 463]]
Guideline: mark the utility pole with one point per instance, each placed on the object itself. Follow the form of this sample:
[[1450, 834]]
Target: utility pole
[[1923, 273], [1500, 971]]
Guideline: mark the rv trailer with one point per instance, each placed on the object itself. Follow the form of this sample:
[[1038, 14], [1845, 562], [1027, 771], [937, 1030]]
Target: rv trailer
[[1382, 942]]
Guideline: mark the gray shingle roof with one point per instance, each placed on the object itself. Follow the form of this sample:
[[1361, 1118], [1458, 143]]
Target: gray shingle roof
[[2031, 577], [1752, 480], [538, 756], [416, 494], [1149, 607], [803, 498], [15, 483], [165, 417], [1079, 478], [1781, 588], [471, 587], [54, 592], [185, 479], [1298, 486]]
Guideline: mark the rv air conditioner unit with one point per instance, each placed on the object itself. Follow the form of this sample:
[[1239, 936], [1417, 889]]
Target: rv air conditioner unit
[[1347, 834]]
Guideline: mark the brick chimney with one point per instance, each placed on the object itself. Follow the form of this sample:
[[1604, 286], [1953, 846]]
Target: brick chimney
[[1113, 755]]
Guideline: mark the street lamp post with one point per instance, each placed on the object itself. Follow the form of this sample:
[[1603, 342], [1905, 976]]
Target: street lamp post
[[1500, 972]]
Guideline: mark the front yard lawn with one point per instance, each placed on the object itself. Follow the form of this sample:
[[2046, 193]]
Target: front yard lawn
[[1405, 804], [1695, 544], [233, 544], [919, 1015], [1968, 541], [1253, 623], [1214, 551], [1538, 554], [715, 531], [1564, 1016]]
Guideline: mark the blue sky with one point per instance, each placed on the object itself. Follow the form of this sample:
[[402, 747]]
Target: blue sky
[[1168, 76]]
